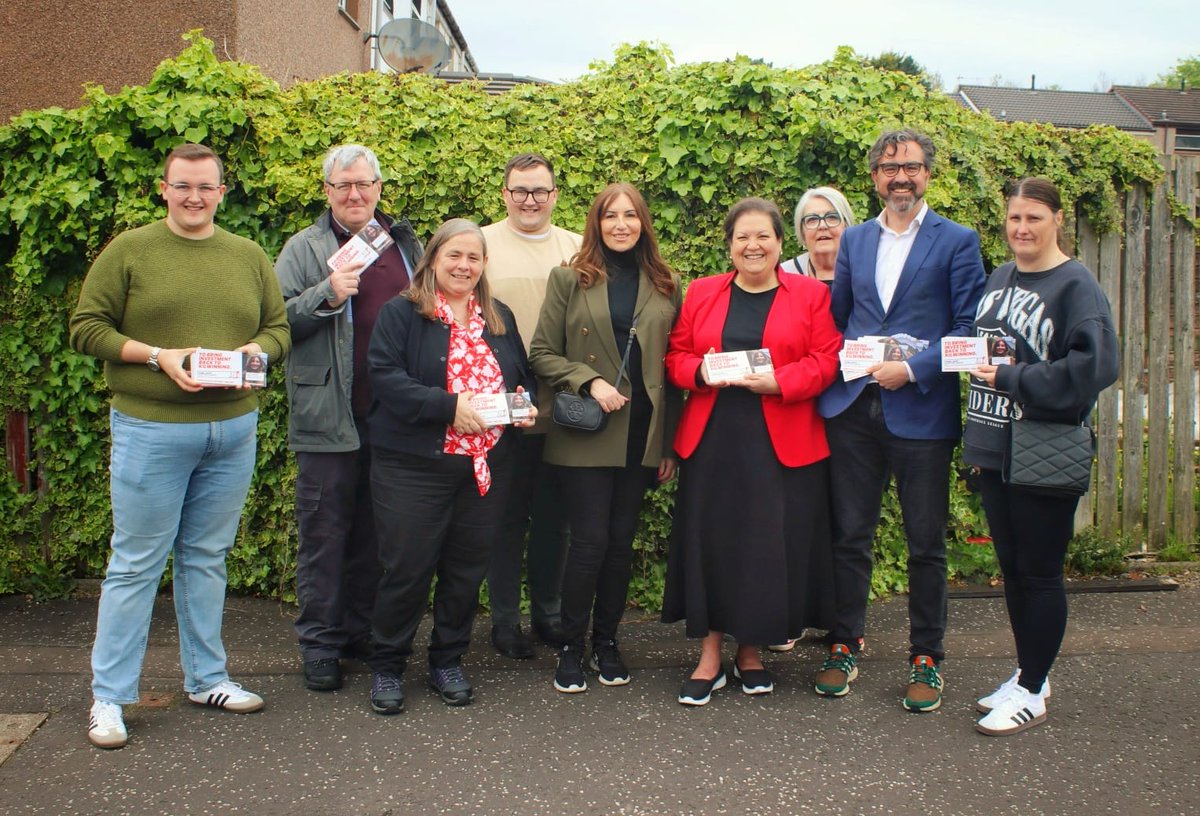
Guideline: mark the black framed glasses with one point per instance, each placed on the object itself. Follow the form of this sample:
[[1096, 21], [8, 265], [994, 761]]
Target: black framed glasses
[[814, 221], [343, 187], [520, 195], [890, 169]]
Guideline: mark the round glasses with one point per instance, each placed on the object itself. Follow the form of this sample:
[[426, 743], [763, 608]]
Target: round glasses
[[815, 221]]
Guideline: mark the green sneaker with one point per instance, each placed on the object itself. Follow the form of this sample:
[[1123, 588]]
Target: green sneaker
[[925, 685], [837, 672]]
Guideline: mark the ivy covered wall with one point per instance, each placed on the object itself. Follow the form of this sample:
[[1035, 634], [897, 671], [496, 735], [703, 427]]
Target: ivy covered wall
[[694, 138]]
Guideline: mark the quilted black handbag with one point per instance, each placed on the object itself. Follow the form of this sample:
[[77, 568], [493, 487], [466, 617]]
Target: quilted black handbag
[[1050, 457]]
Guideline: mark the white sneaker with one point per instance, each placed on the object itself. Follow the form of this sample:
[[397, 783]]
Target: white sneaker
[[1015, 711], [786, 646], [106, 726], [229, 696], [985, 704]]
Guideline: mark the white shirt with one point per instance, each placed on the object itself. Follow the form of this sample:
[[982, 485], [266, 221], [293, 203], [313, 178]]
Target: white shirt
[[893, 252]]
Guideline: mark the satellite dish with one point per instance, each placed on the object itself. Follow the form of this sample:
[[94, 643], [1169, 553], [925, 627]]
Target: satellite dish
[[409, 45]]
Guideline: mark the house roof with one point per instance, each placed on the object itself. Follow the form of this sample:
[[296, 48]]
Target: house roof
[[494, 84], [1073, 109], [1163, 106]]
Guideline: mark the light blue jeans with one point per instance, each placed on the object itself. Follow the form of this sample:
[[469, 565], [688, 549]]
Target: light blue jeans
[[175, 487]]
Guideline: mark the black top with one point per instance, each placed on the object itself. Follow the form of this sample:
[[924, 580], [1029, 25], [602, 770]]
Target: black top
[[623, 279], [1063, 354], [746, 319]]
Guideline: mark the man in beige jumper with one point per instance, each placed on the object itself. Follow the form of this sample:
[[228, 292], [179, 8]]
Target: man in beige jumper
[[522, 249]]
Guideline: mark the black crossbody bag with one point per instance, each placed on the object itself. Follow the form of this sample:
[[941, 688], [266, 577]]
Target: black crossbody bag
[[1050, 457], [583, 413]]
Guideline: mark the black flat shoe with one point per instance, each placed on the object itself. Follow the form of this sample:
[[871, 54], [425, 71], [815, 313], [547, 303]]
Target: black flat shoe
[[699, 692], [754, 681], [323, 674], [511, 642]]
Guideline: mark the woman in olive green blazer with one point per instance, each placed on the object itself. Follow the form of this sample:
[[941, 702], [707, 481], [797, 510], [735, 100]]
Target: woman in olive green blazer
[[618, 282]]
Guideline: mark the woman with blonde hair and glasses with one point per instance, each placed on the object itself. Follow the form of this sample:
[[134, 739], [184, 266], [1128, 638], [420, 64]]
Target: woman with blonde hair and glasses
[[822, 215]]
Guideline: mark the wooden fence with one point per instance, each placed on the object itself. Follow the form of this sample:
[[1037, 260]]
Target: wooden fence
[[1145, 486]]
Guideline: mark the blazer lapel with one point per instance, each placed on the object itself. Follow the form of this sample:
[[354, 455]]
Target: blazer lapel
[[926, 236], [596, 299]]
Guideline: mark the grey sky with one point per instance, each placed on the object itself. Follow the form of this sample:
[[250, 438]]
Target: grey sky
[[1076, 44]]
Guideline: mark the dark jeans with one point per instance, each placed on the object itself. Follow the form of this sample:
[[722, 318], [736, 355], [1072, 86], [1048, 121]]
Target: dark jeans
[[535, 506], [1030, 532], [862, 452], [337, 565], [603, 504], [432, 520]]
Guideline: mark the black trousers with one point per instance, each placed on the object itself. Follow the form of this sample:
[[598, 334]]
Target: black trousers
[[1030, 532], [535, 506], [431, 520], [603, 505], [337, 563], [862, 454]]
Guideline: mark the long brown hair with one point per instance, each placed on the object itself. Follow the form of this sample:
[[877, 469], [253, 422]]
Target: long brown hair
[[423, 290], [588, 262]]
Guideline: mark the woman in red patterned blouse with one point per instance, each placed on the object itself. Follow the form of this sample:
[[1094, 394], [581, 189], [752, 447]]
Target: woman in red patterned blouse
[[442, 357]]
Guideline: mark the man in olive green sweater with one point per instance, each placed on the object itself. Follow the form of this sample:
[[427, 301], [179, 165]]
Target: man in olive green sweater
[[182, 454]]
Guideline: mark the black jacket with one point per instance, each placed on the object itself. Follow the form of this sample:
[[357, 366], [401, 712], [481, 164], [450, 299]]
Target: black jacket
[[407, 365]]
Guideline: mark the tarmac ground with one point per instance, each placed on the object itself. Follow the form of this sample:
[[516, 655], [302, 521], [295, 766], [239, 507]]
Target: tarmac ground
[[1123, 736]]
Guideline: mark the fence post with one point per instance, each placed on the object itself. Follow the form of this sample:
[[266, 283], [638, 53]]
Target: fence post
[[1133, 366], [1158, 352], [1184, 181]]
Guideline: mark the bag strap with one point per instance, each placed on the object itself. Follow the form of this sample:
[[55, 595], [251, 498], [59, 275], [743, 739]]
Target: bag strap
[[625, 356]]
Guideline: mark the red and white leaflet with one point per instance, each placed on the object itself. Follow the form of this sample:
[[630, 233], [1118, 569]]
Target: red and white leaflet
[[859, 355], [216, 368], [963, 353], [492, 409], [370, 242]]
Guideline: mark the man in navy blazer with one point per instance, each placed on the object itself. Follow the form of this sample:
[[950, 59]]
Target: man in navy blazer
[[912, 272]]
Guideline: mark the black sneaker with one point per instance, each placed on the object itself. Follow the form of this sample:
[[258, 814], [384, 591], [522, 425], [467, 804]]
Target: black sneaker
[[606, 661], [568, 677], [452, 684], [323, 674], [387, 693]]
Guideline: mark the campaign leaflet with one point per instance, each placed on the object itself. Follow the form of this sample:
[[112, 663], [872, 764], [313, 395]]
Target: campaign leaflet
[[963, 353], [229, 369], [857, 356], [216, 368], [502, 409], [727, 366], [370, 242]]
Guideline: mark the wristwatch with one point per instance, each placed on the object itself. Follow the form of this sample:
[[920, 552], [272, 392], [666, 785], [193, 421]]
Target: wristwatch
[[152, 363]]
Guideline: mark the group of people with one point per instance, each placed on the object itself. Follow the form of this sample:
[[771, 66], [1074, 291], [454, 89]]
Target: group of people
[[401, 479]]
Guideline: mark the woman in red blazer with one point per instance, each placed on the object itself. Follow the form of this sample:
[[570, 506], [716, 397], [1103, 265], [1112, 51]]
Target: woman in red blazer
[[750, 549]]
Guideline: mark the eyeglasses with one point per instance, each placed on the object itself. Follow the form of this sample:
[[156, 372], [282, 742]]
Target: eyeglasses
[[185, 190], [521, 195], [815, 221], [890, 169], [343, 187]]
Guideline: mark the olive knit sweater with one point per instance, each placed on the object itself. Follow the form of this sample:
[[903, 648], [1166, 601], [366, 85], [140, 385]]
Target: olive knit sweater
[[154, 286]]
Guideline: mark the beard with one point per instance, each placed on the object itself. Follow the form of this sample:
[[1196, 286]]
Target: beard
[[902, 197]]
